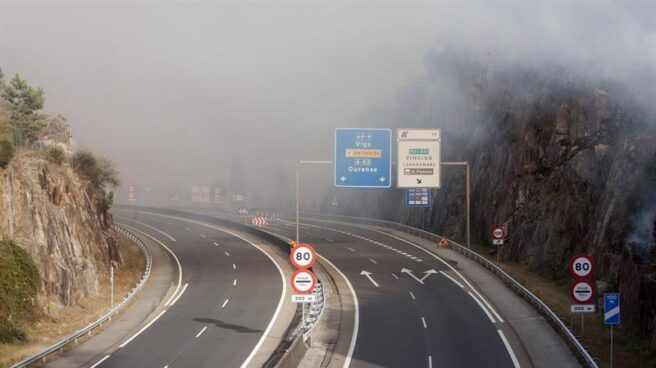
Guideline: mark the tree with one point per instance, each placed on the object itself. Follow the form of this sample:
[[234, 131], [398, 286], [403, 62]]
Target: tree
[[237, 180], [24, 103], [98, 170], [103, 205]]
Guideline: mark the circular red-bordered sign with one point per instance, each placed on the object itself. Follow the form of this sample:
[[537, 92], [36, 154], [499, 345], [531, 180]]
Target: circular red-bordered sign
[[303, 281], [582, 292], [581, 266], [303, 256], [498, 232]]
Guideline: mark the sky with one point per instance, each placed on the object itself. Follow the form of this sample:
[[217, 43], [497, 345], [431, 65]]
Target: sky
[[172, 92]]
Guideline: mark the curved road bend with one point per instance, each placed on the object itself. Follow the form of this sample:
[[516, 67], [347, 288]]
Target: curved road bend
[[229, 294]]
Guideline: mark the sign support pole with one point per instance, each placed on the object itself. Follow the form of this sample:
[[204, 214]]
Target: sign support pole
[[111, 278], [468, 196], [298, 202], [298, 192], [582, 325], [611, 346]]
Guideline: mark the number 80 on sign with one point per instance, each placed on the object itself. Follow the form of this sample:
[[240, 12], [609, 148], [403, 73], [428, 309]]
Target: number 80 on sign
[[303, 256], [581, 266]]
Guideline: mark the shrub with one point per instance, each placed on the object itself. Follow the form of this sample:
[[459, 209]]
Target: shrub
[[18, 285], [56, 155], [99, 171], [6, 151]]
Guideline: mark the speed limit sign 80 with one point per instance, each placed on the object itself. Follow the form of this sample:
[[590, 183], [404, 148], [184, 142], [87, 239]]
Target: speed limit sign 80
[[303, 256], [581, 266]]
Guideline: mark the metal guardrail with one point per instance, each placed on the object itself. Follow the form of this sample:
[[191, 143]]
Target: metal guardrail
[[518, 288], [59, 346]]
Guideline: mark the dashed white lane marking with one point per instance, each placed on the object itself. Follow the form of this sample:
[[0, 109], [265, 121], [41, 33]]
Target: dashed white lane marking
[[188, 229], [423, 321], [509, 348], [201, 332], [374, 262], [430, 361], [179, 295], [482, 306], [142, 329], [452, 279], [234, 283], [217, 244], [414, 258], [351, 249], [203, 235], [224, 303], [330, 240], [100, 361], [396, 277], [412, 296], [227, 254], [234, 266]]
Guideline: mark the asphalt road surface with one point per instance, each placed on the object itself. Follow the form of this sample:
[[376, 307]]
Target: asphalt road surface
[[415, 310], [229, 294]]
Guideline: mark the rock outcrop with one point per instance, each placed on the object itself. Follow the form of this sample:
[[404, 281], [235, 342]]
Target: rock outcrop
[[559, 161], [51, 213]]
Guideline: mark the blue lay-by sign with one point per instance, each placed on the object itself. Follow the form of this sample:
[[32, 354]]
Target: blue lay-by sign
[[418, 197], [363, 158], [612, 308]]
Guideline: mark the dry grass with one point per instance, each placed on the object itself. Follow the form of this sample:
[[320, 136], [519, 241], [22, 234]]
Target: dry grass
[[628, 351], [63, 321]]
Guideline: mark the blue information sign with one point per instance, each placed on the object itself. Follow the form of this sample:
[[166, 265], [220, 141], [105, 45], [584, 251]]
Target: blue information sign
[[363, 158], [418, 197], [612, 308]]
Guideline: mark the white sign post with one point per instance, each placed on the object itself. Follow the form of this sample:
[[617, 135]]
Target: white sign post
[[418, 158]]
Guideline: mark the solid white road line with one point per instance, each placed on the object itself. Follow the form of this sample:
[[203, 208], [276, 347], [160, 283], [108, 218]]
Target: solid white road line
[[148, 226], [412, 296], [452, 279], [445, 263], [227, 254], [179, 295], [423, 321], [482, 306], [509, 348], [396, 277], [100, 361], [201, 332], [374, 262], [142, 329], [224, 303], [282, 279], [170, 251]]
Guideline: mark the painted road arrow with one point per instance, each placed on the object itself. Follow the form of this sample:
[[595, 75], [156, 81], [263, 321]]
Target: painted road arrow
[[368, 275], [419, 280]]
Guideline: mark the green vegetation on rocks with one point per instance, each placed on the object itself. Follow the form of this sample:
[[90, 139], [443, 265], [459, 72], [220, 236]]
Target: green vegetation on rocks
[[19, 280]]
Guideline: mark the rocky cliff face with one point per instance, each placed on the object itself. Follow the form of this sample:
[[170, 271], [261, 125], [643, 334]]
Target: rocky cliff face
[[50, 212], [559, 161]]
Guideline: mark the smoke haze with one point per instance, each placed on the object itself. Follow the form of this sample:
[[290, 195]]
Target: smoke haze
[[174, 91]]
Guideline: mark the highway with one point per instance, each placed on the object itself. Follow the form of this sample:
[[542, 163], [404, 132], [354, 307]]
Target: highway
[[229, 295], [415, 310]]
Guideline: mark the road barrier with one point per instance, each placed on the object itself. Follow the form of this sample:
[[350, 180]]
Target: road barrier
[[73, 339], [514, 285]]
